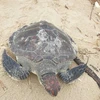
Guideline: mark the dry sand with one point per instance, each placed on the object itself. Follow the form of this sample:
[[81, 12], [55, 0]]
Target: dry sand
[[73, 20]]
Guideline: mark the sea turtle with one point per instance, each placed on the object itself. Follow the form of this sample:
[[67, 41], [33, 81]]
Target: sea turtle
[[43, 49]]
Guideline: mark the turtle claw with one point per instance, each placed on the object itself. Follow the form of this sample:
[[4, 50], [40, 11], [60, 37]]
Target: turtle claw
[[70, 75], [13, 68]]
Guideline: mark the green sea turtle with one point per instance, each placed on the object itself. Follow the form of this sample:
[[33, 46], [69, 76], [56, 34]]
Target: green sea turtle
[[43, 49]]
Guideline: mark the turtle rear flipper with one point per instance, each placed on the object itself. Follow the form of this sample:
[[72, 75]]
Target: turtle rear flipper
[[70, 75], [13, 68]]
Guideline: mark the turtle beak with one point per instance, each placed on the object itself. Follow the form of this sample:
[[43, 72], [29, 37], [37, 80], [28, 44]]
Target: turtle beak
[[53, 92], [51, 83]]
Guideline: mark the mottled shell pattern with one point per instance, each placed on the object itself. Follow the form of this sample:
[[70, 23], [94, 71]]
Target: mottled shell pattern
[[42, 40]]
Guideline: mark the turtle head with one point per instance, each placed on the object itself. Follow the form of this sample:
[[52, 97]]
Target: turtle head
[[51, 83]]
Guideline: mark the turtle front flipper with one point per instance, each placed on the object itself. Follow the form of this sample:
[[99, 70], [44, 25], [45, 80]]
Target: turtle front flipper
[[13, 68], [72, 74]]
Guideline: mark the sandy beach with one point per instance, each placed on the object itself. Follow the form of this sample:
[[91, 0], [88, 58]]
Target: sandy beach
[[71, 16]]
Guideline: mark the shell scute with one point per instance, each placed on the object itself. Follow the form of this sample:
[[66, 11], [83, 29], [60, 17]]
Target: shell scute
[[42, 40]]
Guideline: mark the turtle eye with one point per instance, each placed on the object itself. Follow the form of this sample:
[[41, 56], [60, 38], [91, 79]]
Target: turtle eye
[[48, 91]]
